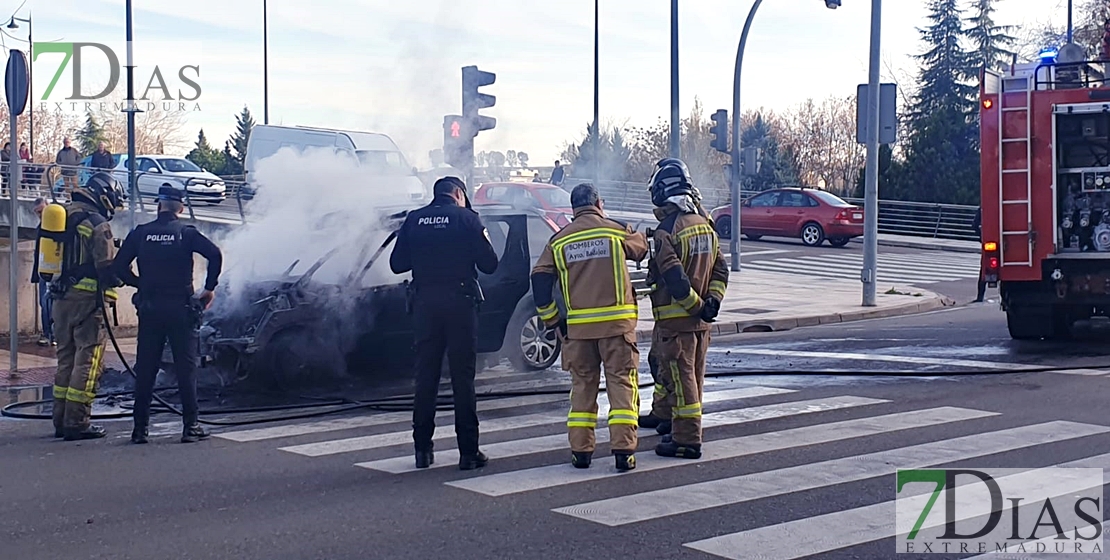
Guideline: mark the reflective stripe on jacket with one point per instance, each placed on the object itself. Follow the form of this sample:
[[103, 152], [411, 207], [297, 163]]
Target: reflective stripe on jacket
[[587, 261], [687, 268]]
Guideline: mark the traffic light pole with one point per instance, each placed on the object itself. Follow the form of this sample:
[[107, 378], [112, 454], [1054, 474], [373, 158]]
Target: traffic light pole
[[734, 176], [676, 123], [871, 188]]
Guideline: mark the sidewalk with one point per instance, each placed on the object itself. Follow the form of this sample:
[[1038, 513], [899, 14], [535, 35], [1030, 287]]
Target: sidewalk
[[769, 301], [37, 369]]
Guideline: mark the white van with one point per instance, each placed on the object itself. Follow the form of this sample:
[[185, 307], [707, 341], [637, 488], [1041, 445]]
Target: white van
[[385, 164]]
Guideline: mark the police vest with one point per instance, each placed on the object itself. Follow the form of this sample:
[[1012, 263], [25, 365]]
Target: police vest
[[165, 260]]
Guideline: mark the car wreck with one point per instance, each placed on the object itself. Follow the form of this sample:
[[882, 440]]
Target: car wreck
[[295, 329]]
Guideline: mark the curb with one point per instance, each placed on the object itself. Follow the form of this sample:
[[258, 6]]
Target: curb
[[924, 246], [777, 325]]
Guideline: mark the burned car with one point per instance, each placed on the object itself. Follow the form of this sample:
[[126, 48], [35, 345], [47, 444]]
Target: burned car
[[297, 328]]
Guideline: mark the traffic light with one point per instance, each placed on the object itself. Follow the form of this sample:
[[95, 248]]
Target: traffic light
[[473, 100], [752, 161], [458, 142], [720, 131]]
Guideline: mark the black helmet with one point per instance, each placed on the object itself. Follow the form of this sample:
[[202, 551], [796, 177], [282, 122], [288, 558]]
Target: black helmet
[[103, 191], [671, 178]]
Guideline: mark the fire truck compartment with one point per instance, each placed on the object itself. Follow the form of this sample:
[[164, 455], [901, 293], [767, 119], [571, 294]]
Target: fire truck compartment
[[1082, 154]]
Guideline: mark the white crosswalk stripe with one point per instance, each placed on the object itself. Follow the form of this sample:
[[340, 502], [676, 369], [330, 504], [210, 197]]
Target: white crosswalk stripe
[[912, 269], [532, 430]]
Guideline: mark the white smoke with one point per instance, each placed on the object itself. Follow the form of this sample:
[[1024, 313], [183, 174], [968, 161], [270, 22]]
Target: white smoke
[[309, 203]]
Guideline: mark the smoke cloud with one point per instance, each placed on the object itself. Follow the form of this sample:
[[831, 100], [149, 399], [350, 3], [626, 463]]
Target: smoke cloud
[[310, 203]]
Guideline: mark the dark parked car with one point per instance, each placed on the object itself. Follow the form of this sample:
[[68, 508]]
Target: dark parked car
[[298, 328]]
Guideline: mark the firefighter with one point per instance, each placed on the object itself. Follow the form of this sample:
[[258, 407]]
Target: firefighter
[[690, 278], [588, 258], [442, 244], [167, 307], [80, 292]]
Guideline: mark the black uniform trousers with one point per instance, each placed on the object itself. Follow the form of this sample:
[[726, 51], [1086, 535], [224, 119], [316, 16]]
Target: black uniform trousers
[[446, 321], [161, 320]]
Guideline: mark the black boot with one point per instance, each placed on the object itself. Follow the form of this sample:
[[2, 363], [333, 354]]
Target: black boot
[[471, 462], [625, 461], [581, 459], [649, 421], [679, 450], [91, 432], [667, 438], [663, 428], [194, 433], [424, 458], [139, 435]]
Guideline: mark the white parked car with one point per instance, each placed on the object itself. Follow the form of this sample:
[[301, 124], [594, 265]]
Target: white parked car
[[155, 172]]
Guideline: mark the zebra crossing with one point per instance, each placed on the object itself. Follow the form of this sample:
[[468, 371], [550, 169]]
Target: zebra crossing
[[510, 427], [917, 269]]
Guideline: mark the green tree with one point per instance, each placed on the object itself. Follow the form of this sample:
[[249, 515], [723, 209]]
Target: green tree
[[207, 157], [91, 135], [777, 168], [991, 43], [945, 63], [244, 123], [523, 157]]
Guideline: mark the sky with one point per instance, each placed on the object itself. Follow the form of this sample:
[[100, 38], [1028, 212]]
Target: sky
[[395, 66]]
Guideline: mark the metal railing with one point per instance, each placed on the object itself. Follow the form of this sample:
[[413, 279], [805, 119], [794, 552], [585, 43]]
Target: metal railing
[[916, 219]]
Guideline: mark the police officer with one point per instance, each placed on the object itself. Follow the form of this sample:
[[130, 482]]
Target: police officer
[[690, 277], [167, 307], [79, 294], [589, 256], [441, 244]]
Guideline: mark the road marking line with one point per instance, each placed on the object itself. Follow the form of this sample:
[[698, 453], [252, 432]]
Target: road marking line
[[515, 448], [557, 475], [1084, 371], [909, 261], [845, 275], [373, 420], [735, 490], [835, 531], [917, 273], [888, 358]]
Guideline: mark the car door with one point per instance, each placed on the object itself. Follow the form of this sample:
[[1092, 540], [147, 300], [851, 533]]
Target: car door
[[150, 176], [790, 213], [503, 289], [757, 214]]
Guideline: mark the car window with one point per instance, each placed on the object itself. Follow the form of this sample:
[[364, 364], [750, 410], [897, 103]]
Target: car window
[[555, 198], [830, 199], [175, 165], [379, 163], [794, 200], [496, 193], [498, 236], [539, 233], [766, 199], [146, 164]]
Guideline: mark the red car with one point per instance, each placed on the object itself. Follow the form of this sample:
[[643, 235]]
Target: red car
[[553, 201], [810, 214]]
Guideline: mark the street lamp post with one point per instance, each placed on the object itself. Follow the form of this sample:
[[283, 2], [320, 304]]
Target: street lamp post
[[597, 111], [265, 66], [871, 187], [30, 77], [734, 175], [676, 125], [132, 188]]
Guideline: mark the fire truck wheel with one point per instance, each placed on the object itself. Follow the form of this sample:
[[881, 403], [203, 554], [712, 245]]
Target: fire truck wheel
[[1052, 324]]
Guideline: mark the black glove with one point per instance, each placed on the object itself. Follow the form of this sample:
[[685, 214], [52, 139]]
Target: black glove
[[710, 309]]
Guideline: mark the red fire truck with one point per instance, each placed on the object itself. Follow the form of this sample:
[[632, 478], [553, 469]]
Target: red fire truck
[[1045, 134]]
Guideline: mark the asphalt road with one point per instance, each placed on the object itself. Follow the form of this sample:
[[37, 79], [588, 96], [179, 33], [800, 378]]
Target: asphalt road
[[796, 465]]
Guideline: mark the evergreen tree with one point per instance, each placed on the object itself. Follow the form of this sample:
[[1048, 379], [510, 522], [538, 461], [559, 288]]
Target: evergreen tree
[[990, 42], [945, 64], [244, 123], [207, 157], [90, 136], [232, 166], [776, 169]]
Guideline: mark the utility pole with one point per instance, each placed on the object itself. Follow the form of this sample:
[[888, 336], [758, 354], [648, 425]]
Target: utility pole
[[734, 175], [871, 190], [132, 190], [265, 66], [676, 124], [597, 127]]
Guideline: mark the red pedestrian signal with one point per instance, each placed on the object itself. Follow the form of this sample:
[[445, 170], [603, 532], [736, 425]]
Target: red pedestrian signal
[[455, 127]]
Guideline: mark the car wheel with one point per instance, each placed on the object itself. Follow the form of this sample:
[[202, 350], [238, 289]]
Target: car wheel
[[724, 227], [838, 241], [529, 344], [812, 234], [753, 237]]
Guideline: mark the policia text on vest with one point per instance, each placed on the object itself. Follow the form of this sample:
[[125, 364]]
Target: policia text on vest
[[587, 261]]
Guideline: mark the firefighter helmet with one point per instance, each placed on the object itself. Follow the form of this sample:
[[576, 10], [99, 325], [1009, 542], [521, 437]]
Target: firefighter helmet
[[671, 178], [103, 191]]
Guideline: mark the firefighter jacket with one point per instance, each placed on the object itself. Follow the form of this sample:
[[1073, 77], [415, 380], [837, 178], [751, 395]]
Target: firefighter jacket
[[88, 251], [588, 262], [687, 267]]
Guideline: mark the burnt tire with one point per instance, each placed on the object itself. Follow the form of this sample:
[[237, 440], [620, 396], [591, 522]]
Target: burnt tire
[[812, 234], [529, 345], [299, 357], [838, 241]]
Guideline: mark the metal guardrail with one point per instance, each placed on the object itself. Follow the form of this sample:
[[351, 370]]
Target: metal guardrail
[[916, 219]]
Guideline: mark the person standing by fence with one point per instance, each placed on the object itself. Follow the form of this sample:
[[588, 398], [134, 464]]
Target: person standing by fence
[[69, 158], [977, 225]]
